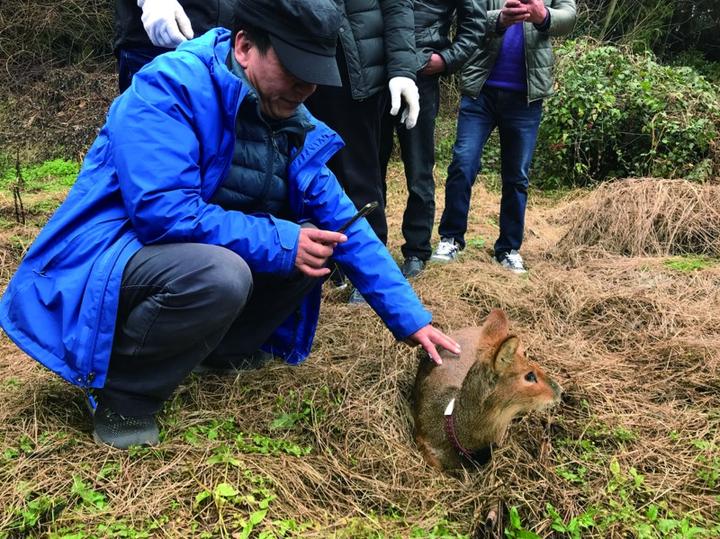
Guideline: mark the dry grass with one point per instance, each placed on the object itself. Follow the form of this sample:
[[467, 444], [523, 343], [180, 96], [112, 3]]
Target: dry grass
[[648, 217], [633, 341]]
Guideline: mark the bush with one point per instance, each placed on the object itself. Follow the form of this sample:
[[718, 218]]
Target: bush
[[48, 33], [620, 114]]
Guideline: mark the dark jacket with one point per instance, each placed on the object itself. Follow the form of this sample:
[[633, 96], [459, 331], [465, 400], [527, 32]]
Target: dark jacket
[[203, 14], [167, 145], [539, 59], [433, 20], [377, 39]]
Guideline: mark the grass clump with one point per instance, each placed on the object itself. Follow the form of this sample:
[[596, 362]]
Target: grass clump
[[48, 176]]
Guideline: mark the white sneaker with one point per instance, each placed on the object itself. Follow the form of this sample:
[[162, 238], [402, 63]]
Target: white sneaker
[[512, 261], [446, 251]]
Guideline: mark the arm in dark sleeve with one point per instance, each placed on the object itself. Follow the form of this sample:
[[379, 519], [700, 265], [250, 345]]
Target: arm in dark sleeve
[[399, 38], [471, 21]]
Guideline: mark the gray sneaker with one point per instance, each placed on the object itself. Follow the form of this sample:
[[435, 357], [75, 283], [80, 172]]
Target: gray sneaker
[[512, 261], [446, 251], [412, 267], [121, 432], [356, 298]]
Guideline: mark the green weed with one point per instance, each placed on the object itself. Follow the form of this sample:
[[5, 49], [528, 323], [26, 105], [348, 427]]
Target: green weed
[[709, 459], [477, 242], [257, 443], [575, 526], [87, 494], [248, 510], [50, 176], [689, 263], [34, 511], [515, 529]]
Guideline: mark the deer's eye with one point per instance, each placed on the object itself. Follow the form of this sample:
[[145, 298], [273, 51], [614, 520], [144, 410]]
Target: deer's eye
[[530, 377]]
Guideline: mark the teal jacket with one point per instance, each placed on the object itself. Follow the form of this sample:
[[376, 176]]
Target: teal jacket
[[164, 150], [539, 59]]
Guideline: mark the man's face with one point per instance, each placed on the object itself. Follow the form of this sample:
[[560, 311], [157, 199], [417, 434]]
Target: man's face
[[280, 92]]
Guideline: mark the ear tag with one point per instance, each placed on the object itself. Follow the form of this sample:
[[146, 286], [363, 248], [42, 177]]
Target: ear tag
[[450, 407]]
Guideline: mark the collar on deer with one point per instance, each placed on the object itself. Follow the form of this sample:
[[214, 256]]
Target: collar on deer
[[479, 457]]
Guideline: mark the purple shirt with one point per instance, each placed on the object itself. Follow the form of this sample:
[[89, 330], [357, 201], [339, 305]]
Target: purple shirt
[[509, 69]]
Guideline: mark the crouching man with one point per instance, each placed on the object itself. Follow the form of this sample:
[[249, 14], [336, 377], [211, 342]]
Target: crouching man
[[200, 225]]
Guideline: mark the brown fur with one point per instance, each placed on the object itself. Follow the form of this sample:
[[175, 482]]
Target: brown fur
[[488, 382]]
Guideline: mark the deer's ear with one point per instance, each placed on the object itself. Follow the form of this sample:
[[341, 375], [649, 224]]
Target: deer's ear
[[495, 328], [506, 353]]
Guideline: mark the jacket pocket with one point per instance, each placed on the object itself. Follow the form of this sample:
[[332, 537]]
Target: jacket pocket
[[59, 255]]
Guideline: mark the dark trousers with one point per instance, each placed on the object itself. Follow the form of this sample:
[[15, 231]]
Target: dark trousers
[[181, 304], [517, 123], [131, 60], [417, 149], [357, 165]]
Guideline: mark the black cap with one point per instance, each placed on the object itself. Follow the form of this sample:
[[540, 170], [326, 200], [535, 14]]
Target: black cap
[[303, 33]]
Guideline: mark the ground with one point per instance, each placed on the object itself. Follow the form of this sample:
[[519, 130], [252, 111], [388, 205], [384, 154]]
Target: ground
[[326, 449]]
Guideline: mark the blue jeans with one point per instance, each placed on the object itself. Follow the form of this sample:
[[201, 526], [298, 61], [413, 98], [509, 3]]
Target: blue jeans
[[131, 60], [517, 124]]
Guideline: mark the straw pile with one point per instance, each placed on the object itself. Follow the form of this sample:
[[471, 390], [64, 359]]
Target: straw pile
[[648, 217]]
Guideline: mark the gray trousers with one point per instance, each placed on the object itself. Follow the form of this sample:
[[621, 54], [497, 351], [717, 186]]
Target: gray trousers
[[182, 304]]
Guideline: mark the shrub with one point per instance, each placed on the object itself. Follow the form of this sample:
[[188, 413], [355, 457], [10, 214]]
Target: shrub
[[38, 35], [620, 114]]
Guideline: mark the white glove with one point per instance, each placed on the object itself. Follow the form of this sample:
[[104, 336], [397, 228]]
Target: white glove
[[404, 87], [165, 22]]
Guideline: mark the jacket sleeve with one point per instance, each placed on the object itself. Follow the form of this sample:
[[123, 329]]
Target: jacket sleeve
[[399, 38], [157, 128], [491, 26], [471, 19], [562, 17], [365, 260]]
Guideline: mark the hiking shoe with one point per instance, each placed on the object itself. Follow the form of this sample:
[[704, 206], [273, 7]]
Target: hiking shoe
[[256, 360], [121, 432], [512, 261], [446, 251], [412, 266], [356, 298]]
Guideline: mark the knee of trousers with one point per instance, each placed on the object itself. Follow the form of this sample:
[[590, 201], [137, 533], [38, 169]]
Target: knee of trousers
[[226, 282]]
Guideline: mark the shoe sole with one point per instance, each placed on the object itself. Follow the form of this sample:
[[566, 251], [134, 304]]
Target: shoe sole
[[103, 443], [516, 272], [443, 260]]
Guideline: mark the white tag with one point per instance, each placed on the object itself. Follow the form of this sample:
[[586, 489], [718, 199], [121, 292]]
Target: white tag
[[450, 407]]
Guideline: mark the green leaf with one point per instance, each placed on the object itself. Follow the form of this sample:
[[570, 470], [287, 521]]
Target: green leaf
[[225, 490], [256, 517], [202, 496]]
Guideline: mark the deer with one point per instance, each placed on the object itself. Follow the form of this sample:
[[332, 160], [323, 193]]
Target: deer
[[464, 406]]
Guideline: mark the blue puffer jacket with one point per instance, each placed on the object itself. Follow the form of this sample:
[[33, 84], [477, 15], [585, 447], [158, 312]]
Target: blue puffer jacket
[[137, 188]]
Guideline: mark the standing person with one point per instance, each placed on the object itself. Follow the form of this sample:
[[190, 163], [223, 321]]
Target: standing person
[[201, 224], [438, 55], [503, 86], [376, 53], [145, 29]]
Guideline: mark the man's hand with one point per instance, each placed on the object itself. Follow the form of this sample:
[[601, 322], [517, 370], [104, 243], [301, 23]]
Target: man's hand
[[537, 11], [429, 337], [435, 65], [314, 248], [514, 11], [404, 87], [165, 22]]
